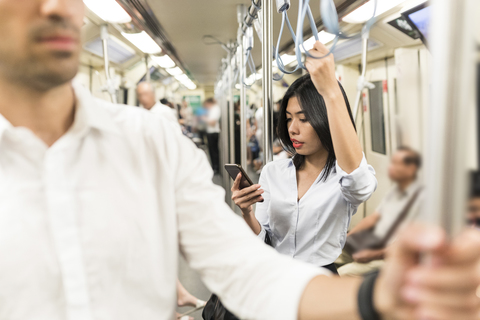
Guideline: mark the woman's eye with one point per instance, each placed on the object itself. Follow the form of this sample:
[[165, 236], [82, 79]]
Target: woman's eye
[[303, 120], [288, 120]]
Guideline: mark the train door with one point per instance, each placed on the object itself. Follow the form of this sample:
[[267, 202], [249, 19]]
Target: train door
[[379, 120]]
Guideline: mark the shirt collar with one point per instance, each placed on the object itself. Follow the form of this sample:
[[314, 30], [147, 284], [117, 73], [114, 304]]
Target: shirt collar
[[90, 113], [290, 164], [410, 190]]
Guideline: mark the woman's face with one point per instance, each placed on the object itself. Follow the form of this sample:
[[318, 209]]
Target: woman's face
[[304, 138]]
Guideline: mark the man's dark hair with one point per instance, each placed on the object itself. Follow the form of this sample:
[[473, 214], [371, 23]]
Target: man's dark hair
[[164, 101], [413, 157], [210, 101]]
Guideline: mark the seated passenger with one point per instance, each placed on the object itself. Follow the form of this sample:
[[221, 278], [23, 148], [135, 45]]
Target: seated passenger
[[308, 201], [400, 205]]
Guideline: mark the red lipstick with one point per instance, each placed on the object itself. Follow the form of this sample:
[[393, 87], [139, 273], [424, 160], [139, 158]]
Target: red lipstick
[[296, 144]]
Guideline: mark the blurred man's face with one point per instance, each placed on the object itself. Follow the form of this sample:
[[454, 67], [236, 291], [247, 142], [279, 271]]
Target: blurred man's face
[[145, 95], [398, 170], [40, 41]]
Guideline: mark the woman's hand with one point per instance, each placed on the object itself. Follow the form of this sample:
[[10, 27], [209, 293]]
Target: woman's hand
[[444, 287], [246, 197], [322, 71]]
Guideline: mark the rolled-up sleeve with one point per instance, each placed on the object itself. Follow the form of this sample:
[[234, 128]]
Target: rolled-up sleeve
[[251, 279], [359, 185]]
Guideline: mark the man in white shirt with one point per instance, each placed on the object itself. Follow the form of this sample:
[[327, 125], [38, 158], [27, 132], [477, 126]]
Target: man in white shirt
[[96, 200], [387, 220], [213, 131], [146, 96]]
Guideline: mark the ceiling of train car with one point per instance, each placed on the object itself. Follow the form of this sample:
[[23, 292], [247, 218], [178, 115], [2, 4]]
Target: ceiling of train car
[[187, 21]]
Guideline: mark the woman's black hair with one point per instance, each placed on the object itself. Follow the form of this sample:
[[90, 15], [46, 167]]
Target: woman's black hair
[[315, 111]]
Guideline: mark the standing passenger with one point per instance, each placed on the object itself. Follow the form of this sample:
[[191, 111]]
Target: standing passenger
[[310, 199], [97, 200], [146, 96], [213, 132]]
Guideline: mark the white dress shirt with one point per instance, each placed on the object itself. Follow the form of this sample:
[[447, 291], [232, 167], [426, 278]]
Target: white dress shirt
[[313, 229], [213, 115], [165, 111], [91, 227], [392, 205]]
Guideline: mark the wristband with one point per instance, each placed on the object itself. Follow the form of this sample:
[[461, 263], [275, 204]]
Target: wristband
[[365, 298]]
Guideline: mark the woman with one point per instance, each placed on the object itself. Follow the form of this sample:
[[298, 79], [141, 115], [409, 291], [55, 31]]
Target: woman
[[308, 201]]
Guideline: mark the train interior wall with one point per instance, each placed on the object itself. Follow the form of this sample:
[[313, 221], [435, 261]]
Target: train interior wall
[[401, 97]]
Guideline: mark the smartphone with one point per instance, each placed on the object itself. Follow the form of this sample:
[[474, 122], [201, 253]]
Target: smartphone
[[233, 170]]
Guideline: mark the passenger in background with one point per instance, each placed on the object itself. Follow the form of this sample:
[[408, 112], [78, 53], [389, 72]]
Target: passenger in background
[[400, 206], [146, 96], [171, 106], [187, 119], [213, 131], [308, 201]]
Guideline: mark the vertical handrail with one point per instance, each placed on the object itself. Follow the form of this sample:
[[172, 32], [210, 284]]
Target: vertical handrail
[[362, 83], [241, 12], [453, 79], [267, 79], [224, 138], [148, 78], [231, 108], [243, 107], [110, 87]]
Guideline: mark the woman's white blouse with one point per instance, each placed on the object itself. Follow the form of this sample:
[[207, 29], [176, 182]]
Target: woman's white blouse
[[313, 229]]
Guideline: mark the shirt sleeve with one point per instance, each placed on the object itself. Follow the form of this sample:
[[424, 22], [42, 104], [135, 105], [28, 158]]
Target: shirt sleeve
[[252, 280], [359, 185], [261, 209]]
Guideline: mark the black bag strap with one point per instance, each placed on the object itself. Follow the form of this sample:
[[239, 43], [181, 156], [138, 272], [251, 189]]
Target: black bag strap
[[401, 216]]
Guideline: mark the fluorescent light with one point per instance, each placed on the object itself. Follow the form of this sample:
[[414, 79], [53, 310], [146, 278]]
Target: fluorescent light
[[108, 10], [182, 77], [185, 80], [163, 61], [175, 71], [323, 36], [365, 12], [143, 42]]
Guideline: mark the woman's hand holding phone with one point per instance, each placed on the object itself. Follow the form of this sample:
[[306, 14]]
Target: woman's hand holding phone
[[246, 197]]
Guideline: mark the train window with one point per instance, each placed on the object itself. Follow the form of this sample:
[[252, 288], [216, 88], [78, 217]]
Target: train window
[[377, 118]]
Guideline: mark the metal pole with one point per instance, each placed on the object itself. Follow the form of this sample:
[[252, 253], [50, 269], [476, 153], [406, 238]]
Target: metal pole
[[148, 69], [243, 94], [251, 14], [231, 108], [362, 82], [453, 79], [224, 140], [110, 86], [267, 56]]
